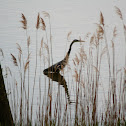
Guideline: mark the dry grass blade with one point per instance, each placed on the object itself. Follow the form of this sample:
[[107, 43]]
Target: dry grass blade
[[115, 32], [125, 71], [77, 59], [43, 24], [28, 58], [28, 41], [76, 76], [74, 62], [24, 22], [100, 33], [118, 71], [86, 36], [14, 60], [46, 14], [100, 29], [118, 11], [92, 39], [46, 46], [68, 67], [68, 35], [42, 43], [26, 65], [101, 19], [19, 48], [104, 51], [20, 52], [1, 52], [38, 22], [83, 55], [125, 27], [40, 52], [96, 69], [8, 70]]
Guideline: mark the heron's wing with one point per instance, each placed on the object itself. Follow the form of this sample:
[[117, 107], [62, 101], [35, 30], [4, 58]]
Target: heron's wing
[[56, 67]]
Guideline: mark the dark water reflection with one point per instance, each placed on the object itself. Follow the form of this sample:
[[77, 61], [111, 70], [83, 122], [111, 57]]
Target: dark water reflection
[[57, 77]]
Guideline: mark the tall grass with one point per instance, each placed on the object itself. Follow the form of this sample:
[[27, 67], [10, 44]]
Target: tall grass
[[87, 69]]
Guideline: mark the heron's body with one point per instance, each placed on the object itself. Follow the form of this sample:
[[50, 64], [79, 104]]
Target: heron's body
[[60, 65]]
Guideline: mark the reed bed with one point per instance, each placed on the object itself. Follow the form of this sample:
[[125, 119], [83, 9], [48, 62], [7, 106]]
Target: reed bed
[[84, 109]]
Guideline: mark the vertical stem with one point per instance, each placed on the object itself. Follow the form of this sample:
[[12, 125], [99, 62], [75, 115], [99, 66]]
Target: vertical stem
[[35, 74], [124, 83], [124, 27], [28, 82], [51, 40], [48, 49], [108, 55]]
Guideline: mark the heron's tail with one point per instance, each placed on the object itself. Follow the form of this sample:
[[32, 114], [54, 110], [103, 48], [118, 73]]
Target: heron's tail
[[45, 70]]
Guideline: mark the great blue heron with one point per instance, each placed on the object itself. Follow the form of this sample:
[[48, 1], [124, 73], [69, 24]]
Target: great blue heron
[[60, 65]]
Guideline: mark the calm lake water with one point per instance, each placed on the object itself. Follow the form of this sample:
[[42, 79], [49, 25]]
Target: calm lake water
[[79, 18]]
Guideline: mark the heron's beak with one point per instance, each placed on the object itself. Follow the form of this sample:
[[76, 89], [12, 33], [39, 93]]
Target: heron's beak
[[81, 41]]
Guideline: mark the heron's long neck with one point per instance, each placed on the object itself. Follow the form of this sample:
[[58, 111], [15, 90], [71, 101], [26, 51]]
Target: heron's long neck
[[70, 48], [68, 53]]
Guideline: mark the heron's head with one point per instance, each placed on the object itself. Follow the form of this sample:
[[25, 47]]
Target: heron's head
[[76, 40]]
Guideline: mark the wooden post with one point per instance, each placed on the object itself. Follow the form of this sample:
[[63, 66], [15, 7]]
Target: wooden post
[[5, 112]]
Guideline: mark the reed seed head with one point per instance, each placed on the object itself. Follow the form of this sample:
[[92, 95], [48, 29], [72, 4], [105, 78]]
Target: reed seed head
[[1, 52], [19, 48], [26, 65], [101, 19], [115, 32], [119, 13], [46, 14], [68, 35], [43, 24], [24, 22], [38, 21], [28, 41], [14, 60]]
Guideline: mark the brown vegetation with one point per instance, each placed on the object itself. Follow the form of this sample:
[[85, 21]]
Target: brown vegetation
[[87, 74]]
